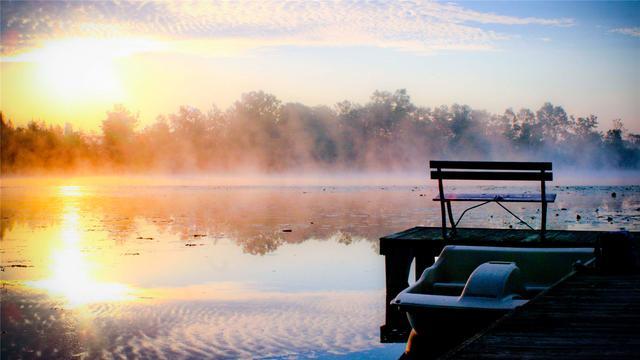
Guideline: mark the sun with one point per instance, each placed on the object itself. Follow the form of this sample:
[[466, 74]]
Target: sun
[[84, 69], [78, 70]]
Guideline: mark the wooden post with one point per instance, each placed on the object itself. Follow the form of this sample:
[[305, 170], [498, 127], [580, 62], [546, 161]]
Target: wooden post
[[397, 265], [442, 210]]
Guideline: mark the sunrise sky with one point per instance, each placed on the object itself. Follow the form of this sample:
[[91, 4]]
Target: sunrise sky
[[71, 61]]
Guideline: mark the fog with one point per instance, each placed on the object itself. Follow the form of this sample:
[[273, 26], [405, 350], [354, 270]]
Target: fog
[[259, 134]]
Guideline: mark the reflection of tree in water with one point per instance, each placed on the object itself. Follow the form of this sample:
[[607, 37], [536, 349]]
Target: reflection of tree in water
[[256, 218], [344, 238], [6, 223], [21, 207], [261, 244]]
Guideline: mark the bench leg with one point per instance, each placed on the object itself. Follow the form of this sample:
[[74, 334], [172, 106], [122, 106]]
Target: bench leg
[[444, 216], [453, 223], [543, 225], [543, 198]]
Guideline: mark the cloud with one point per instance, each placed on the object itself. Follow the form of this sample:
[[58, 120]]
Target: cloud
[[631, 31], [421, 26]]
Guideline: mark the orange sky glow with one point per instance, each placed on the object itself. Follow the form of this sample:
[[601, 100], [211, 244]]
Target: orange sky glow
[[71, 62]]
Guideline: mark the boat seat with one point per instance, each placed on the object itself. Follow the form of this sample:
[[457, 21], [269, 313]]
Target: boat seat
[[449, 285], [448, 288], [492, 285]]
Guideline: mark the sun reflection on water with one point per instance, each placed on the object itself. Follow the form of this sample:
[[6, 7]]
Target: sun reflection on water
[[70, 191], [72, 275]]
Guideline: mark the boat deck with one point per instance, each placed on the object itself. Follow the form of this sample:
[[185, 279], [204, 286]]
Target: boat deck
[[586, 316]]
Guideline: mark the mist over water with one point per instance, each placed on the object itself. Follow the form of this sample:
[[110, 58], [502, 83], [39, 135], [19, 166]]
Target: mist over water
[[260, 134]]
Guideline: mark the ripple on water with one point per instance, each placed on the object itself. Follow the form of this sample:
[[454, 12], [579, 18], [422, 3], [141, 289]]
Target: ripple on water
[[304, 324]]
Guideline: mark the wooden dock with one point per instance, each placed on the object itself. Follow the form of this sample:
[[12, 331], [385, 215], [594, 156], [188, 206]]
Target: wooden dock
[[587, 316], [423, 243], [422, 238]]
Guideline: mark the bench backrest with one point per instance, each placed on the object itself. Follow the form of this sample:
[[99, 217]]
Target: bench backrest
[[538, 266], [491, 170]]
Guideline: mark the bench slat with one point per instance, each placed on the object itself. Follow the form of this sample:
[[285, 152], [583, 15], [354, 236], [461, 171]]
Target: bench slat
[[498, 197], [492, 175], [490, 165]]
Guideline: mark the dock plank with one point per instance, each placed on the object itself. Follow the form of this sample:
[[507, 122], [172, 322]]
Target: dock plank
[[431, 237], [586, 316]]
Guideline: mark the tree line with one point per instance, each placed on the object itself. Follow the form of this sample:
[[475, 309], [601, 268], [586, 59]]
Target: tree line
[[260, 133]]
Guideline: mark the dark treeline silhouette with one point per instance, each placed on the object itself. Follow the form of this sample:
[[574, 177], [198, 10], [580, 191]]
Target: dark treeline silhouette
[[260, 133]]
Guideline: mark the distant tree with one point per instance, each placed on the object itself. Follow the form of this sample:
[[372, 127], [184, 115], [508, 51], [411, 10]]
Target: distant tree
[[554, 122], [585, 128], [8, 147], [351, 133], [619, 152], [252, 122], [119, 135]]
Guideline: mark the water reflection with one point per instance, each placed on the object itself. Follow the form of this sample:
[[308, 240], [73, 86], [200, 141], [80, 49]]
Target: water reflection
[[70, 191], [71, 275], [154, 236], [230, 272]]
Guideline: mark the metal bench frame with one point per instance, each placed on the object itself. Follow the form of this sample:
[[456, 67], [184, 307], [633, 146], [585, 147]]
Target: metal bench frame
[[491, 170]]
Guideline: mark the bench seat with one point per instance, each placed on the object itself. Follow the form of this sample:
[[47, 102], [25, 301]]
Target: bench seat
[[497, 197]]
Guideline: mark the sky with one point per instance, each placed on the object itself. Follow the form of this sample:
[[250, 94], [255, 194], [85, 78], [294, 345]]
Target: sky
[[70, 62]]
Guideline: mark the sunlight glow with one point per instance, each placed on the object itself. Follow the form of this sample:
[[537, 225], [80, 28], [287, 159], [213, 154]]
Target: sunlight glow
[[70, 191], [72, 276], [84, 69]]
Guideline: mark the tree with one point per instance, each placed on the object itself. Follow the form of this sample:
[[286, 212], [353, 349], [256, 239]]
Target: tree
[[118, 135], [554, 122]]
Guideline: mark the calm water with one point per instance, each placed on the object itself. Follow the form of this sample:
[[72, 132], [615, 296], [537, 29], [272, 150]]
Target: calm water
[[221, 271]]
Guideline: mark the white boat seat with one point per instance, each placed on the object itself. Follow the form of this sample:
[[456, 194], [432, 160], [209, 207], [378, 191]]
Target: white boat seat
[[494, 280]]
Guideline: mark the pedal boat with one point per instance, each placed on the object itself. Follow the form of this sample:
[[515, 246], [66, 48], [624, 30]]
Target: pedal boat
[[469, 287]]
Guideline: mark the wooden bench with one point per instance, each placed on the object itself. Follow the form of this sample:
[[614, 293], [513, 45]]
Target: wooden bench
[[491, 170]]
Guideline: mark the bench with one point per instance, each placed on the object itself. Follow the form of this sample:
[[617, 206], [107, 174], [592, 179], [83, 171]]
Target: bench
[[491, 171]]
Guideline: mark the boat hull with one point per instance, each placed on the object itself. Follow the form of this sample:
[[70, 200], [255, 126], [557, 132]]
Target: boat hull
[[450, 321]]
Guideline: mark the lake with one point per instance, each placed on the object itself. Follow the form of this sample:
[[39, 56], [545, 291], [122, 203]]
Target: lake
[[189, 270]]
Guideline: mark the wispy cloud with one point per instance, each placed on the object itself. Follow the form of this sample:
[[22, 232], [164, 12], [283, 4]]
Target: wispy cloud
[[422, 26], [631, 31]]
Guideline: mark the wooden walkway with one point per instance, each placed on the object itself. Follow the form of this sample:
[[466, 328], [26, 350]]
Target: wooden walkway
[[421, 237], [586, 316]]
